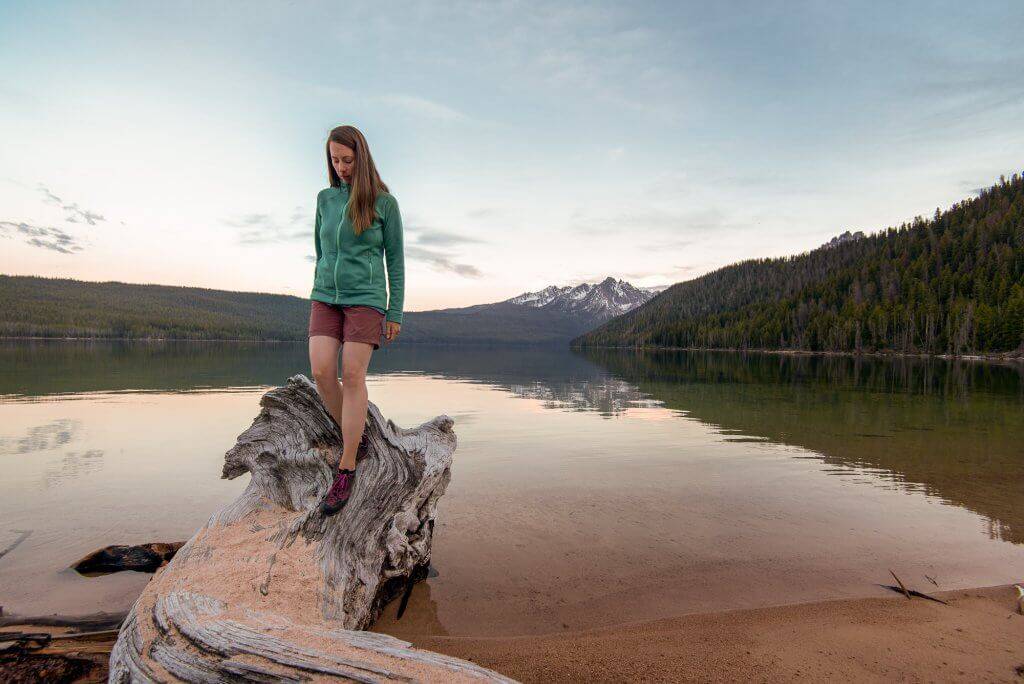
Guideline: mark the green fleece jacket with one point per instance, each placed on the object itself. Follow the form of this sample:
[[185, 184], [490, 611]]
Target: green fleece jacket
[[350, 268]]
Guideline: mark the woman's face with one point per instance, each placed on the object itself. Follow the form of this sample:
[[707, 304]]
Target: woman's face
[[344, 159]]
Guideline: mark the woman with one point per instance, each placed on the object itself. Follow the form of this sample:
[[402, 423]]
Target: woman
[[358, 228]]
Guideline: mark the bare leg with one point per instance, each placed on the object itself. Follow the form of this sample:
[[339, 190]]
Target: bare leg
[[355, 358], [323, 362]]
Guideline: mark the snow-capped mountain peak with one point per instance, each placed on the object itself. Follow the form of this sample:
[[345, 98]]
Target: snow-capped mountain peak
[[609, 298]]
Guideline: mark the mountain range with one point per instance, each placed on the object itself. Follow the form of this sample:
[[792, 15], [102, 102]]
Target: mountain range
[[610, 296], [553, 315], [32, 306]]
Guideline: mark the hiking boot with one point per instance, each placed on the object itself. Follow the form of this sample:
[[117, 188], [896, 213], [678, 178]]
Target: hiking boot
[[339, 492]]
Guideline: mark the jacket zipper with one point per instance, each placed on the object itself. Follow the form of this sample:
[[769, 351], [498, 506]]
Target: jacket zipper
[[337, 245], [370, 261]]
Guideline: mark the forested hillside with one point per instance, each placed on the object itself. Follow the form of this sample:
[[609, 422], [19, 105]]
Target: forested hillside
[[57, 307], [953, 284]]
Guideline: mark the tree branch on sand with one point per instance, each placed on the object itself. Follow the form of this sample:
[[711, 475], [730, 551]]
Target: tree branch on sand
[[270, 590]]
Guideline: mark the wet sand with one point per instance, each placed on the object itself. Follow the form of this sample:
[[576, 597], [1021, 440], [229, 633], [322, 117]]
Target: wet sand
[[979, 636]]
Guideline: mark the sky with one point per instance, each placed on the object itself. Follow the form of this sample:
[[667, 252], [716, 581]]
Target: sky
[[527, 143]]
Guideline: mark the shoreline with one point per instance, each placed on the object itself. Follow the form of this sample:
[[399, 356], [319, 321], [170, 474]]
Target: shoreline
[[978, 636], [1002, 357], [1006, 357], [146, 339]]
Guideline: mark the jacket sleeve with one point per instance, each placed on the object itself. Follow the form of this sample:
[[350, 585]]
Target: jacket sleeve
[[394, 255], [316, 238]]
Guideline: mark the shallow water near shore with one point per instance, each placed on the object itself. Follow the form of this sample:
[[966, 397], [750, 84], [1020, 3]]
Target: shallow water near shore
[[589, 488]]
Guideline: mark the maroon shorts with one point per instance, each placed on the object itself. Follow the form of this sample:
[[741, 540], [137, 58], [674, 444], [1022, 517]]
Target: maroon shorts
[[346, 323]]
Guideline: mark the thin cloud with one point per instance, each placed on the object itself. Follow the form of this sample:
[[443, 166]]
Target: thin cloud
[[969, 85], [76, 214], [260, 228], [72, 212], [671, 275], [264, 228], [626, 68], [486, 213], [651, 221], [423, 107], [961, 109], [413, 104], [426, 240], [44, 237], [248, 220], [442, 238], [48, 196], [442, 262]]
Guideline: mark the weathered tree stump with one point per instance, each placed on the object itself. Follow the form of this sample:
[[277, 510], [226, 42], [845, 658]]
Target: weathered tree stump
[[269, 589]]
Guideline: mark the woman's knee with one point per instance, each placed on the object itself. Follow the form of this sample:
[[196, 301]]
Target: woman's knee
[[353, 377], [324, 374]]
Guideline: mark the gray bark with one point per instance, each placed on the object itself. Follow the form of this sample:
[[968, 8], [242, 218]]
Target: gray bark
[[269, 589]]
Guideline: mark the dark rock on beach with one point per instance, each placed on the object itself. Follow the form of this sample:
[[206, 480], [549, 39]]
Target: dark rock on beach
[[141, 558]]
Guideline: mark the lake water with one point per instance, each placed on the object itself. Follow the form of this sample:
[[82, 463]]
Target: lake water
[[588, 488]]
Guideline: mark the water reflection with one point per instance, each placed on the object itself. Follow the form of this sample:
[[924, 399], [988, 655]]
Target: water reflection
[[420, 616], [71, 465], [607, 396], [51, 435], [590, 488], [952, 430], [40, 368], [904, 375]]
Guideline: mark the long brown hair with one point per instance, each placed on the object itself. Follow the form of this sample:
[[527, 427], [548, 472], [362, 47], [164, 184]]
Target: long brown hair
[[366, 182]]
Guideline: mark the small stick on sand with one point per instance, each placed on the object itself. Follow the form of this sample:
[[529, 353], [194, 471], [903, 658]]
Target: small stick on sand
[[905, 592], [912, 592]]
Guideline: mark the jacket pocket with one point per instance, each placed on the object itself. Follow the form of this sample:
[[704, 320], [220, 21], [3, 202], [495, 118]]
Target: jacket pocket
[[353, 274], [322, 279]]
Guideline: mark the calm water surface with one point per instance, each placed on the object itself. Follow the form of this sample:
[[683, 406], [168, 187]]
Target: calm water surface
[[588, 488]]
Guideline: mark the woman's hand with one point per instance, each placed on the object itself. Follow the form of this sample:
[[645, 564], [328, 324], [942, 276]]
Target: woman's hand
[[391, 330]]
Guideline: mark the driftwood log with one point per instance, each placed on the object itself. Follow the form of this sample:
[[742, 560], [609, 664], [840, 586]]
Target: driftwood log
[[270, 590]]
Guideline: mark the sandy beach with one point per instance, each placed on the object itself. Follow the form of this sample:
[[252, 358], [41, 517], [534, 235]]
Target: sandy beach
[[979, 636]]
